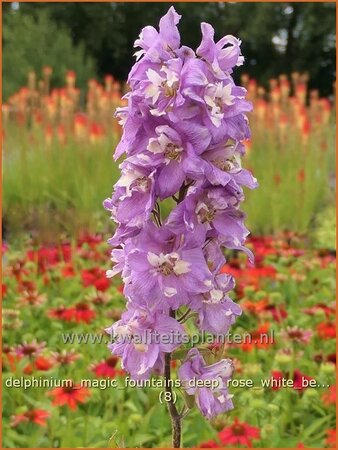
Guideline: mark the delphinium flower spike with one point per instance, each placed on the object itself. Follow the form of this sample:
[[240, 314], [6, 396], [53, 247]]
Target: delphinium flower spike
[[183, 130]]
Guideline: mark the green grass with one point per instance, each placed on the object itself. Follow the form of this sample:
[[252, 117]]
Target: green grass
[[56, 188], [283, 201]]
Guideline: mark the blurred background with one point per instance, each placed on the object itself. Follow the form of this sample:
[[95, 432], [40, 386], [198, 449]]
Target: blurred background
[[64, 72], [64, 67]]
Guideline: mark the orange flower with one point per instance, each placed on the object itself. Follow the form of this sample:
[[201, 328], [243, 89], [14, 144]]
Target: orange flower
[[48, 134], [37, 416], [43, 363], [47, 70], [331, 438], [329, 397], [254, 307], [69, 395], [259, 338]]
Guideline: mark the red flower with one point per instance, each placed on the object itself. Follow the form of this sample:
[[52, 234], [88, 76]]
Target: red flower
[[37, 416], [68, 271], [17, 269], [298, 379], [326, 260], [331, 358], [251, 276], [320, 307], [42, 363], [30, 349], [331, 438], [65, 357], [260, 307], [10, 360], [326, 330], [259, 338], [69, 395], [107, 368], [57, 313], [209, 444], [27, 286], [91, 239], [4, 290], [329, 397], [95, 277], [301, 175], [239, 433], [46, 257], [102, 284], [70, 75], [319, 358], [32, 298], [81, 312], [278, 312]]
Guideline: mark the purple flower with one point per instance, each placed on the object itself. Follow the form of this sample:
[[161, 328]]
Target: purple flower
[[158, 46], [141, 337], [221, 165], [223, 55], [166, 267], [133, 199], [217, 312], [183, 129], [211, 213], [210, 401], [168, 150]]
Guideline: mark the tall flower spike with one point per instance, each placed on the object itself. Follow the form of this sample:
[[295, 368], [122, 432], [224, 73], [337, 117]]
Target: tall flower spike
[[183, 130]]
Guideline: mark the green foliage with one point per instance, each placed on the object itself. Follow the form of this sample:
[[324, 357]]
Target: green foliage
[[325, 232], [288, 34], [129, 417], [32, 42], [293, 182], [67, 183]]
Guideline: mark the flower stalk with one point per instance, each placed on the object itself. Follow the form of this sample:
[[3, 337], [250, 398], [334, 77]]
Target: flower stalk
[[174, 414]]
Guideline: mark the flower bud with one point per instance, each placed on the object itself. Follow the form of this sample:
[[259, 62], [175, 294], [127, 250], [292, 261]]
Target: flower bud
[[283, 359], [327, 368]]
